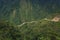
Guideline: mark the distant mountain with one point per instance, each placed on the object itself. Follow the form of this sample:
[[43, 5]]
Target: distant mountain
[[19, 11]]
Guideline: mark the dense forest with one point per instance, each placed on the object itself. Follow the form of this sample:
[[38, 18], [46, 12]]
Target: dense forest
[[29, 19]]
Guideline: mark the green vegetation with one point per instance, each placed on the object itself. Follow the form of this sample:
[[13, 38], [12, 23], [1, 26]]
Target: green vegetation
[[40, 30], [29, 20]]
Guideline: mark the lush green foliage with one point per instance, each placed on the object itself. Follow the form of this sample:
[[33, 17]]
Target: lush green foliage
[[40, 30], [8, 31], [16, 12]]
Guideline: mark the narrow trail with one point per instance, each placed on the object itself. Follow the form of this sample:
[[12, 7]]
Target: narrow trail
[[33, 22], [26, 23]]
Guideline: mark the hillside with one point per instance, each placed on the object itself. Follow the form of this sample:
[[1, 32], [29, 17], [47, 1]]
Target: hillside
[[29, 20], [19, 11], [39, 30]]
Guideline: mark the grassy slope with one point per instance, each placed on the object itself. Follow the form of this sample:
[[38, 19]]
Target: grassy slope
[[40, 30]]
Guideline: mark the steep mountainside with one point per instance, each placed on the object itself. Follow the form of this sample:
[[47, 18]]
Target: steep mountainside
[[19, 11], [29, 20]]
